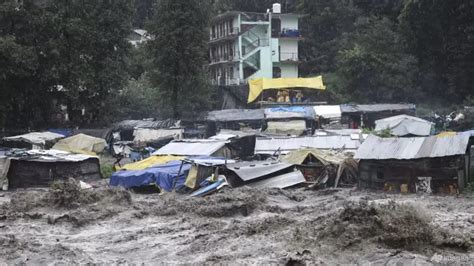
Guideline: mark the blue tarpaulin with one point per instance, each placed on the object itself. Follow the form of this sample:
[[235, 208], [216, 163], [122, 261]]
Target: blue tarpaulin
[[162, 175]]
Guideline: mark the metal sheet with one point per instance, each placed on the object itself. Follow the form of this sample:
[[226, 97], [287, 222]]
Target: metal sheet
[[230, 115], [252, 170], [285, 145], [281, 181], [369, 108], [375, 148], [191, 147]]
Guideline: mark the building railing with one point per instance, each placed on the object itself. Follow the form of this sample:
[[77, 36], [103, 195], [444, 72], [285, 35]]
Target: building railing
[[229, 32], [228, 82], [225, 58], [286, 33], [292, 57]]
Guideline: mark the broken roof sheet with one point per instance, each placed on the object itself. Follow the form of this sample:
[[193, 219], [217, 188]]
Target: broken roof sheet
[[131, 124], [284, 112], [232, 115], [47, 156], [376, 148], [36, 138], [369, 108], [403, 125], [193, 147], [285, 145], [281, 181], [255, 169]]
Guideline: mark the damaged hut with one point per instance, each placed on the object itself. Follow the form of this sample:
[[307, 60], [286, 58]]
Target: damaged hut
[[268, 174], [324, 168], [35, 168], [364, 115], [435, 163]]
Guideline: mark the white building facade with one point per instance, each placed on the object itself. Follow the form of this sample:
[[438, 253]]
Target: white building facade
[[245, 46]]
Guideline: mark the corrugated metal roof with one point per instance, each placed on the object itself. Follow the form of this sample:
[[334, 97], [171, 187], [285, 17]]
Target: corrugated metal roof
[[403, 125], [255, 169], [191, 147], [368, 108], [285, 145], [376, 148], [230, 115], [281, 181]]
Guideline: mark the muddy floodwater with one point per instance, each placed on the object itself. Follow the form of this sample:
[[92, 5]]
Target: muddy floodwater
[[248, 226]]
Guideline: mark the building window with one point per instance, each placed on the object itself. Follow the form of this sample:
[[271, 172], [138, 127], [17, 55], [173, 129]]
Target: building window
[[276, 72]]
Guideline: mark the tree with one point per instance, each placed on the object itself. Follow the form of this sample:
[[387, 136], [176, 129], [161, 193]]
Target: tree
[[377, 68], [441, 35], [178, 50]]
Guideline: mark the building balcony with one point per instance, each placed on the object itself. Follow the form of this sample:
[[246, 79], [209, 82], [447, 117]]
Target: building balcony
[[228, 34], [228, 82], [286, 33], [289, 57]]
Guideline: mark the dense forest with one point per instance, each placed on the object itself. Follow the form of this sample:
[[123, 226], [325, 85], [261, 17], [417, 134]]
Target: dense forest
[[73, 56]]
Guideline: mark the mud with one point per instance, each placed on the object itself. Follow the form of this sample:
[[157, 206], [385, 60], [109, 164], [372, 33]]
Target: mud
[[68, 225]]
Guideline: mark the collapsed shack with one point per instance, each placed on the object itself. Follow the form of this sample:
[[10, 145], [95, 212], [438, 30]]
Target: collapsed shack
[[270, 174], [34, 168], [419, 164], [32, 140], [324, 168], [364, 115], [184, 175], [128, 135], [240, 143], [289, 120], [235, 119]]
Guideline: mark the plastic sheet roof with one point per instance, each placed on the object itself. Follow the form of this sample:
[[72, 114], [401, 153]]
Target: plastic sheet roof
[[36, 138], [285, 145], [191, 147], [230, 115], [376, 148], [48, 156], [403, 125], [284, 112]]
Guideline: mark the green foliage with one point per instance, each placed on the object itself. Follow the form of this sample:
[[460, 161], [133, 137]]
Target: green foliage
[[78, 46], [178, 52], [107, 170]]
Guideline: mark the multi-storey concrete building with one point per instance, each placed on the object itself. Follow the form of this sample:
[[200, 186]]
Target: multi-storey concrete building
[[246, 45]]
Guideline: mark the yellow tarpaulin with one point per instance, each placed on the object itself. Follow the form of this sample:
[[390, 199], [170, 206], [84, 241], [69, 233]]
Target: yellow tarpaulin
[[152, 160], [81, 143], [259, 85]]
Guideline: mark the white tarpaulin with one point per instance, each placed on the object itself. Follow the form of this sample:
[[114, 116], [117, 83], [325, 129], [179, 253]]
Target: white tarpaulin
[[150, 134], [36, 138], [403, 125], [328, 111]]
